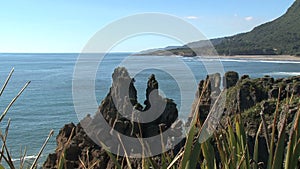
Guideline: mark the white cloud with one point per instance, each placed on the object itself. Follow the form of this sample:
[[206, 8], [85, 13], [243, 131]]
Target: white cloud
[[191, 17], [248, 18]]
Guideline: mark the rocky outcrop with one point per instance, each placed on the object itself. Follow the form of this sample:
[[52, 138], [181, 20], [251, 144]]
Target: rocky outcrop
[[230, 79], [248, 92], [207, 93], [123, 113], [252, 98], [242, 93]]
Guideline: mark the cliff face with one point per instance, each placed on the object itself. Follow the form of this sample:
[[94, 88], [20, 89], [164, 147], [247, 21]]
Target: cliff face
[[245, 96]]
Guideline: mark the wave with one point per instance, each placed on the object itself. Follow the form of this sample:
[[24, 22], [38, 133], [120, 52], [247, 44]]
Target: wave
[[283, 73], [26, 158], [277, 61], [198, 58], [260, 61], [235, 60], [220, 60]]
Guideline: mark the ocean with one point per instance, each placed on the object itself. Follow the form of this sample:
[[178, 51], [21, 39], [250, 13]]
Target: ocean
[[47, 103]]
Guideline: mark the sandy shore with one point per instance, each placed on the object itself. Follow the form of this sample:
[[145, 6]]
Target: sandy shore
[[262, 57]]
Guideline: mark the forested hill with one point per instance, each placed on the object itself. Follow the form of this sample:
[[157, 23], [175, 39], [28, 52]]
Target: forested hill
[[278, 37], [281, 36]]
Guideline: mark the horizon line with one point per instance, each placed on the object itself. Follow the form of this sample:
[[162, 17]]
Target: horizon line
[[60, 52]]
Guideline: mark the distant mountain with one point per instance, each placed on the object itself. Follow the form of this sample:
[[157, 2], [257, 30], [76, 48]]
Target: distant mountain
[[278, 37]]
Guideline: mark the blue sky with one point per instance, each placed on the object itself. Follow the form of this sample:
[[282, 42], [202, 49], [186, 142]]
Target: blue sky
[[66, 26]]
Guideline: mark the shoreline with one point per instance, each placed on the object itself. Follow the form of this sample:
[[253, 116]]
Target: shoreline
[[247, 57], [258, 57]]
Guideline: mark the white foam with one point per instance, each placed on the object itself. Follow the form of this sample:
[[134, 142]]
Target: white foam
[[278, 61], [260, 61], [26, 158], [199, 58], [234, 60], [284, 73], [222, 59]]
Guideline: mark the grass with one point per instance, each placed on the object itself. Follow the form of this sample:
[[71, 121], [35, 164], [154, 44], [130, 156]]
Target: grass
[[5, 155], [228, 148]]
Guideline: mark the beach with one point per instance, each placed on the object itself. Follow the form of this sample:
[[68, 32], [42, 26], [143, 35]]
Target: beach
[[259, 57]]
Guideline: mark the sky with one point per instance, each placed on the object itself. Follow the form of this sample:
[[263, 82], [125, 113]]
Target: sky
[[56, 26]]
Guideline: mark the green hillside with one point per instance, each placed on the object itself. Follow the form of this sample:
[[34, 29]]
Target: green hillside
[[278, 37], [281, 36]]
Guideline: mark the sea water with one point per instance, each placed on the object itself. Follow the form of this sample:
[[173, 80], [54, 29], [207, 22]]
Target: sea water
[[47, 102]]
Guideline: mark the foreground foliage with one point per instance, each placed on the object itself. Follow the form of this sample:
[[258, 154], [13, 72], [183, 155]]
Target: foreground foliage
[[5, 155], [229, 148]]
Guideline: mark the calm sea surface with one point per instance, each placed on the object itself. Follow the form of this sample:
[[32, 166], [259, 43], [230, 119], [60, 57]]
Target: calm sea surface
[[47, 103]]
